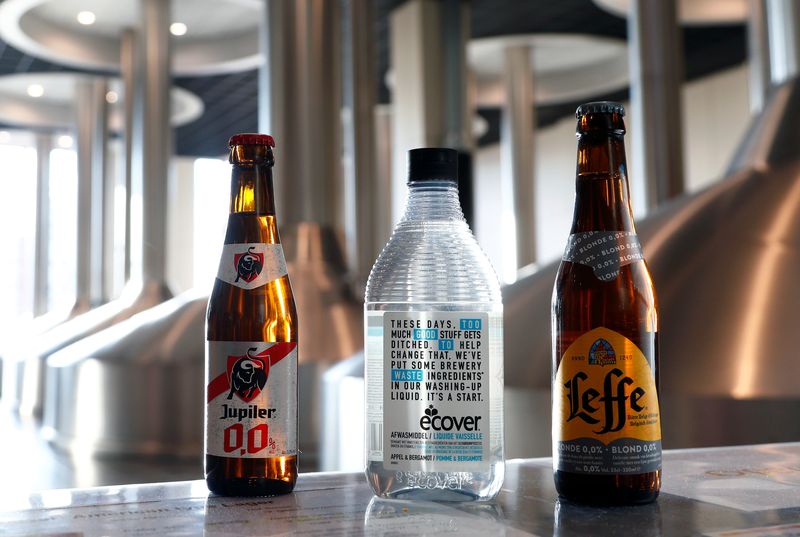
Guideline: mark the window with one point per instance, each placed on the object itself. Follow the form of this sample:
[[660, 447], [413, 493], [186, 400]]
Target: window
[[62, 262], [211, 199], [17, 232]]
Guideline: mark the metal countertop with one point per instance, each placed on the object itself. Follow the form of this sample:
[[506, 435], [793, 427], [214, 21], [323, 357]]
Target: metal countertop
[[712, 492]]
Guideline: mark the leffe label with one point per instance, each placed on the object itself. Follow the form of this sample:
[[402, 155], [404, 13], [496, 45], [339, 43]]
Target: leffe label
[[604, 251], [436, 391], [251, 409], [251, 264], [605, 408]]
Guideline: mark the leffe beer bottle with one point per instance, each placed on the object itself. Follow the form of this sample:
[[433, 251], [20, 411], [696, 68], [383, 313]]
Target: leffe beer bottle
[[251, 332], [606, 420]]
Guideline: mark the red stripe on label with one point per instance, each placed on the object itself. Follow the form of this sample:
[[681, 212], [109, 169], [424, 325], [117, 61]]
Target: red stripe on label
[[218, 386], [277, 352]]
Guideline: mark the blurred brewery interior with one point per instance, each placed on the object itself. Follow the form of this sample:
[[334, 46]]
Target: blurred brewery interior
[[114, 118]]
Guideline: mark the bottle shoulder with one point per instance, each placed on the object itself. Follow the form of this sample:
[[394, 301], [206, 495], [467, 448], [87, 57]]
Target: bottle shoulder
[[631, 287], [437, 261]]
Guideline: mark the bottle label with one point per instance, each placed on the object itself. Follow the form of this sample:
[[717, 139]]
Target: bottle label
[[604, 251], [251, 409], [251, 264], [605, 408], [436, 414]]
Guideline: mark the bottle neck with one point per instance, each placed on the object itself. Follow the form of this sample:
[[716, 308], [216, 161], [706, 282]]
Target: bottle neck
[[433, 200], [602, 195], [251, 190]]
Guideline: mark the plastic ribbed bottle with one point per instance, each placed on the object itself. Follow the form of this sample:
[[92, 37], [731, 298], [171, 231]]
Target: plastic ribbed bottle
[[434, 350]]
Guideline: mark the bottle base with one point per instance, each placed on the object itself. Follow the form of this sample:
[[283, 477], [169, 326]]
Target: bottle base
[[608, 490], [435, 486], [257, 486], [432, 495], [273, 476]]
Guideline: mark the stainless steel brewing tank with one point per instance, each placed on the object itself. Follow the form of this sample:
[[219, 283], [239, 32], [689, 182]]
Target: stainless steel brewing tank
[[24, 363], [134, 388]]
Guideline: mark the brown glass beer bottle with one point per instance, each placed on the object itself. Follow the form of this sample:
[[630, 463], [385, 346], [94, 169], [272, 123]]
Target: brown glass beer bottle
[[251, 333], [606, 420]]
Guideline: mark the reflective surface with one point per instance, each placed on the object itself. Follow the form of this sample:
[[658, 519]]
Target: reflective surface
[[705, 492]]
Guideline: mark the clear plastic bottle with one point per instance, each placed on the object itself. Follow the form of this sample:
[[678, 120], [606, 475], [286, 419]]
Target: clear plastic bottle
[[434, 350]]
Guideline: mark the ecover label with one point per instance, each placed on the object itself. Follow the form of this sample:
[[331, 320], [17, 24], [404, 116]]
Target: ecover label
[[251, 409], [436, 391], [251, 265], [605, 408]]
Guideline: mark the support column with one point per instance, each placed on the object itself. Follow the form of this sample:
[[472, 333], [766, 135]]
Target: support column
[[105, 191], [418, 78], [656, 68], [384, 152], [517, 149], [299, 103], [156, 136], [784, 39], [132, 72], [758, 54], [90, 112], [44, 144], [359, 84], [429, 89], [455, 32]]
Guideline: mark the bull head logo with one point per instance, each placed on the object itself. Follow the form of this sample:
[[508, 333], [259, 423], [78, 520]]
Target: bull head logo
[[248, 265], [248, 375]]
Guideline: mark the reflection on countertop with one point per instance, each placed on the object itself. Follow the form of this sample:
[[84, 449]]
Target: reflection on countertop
[[706, 492], [28, 463]]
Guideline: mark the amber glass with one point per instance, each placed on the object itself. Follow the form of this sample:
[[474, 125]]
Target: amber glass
[[265, 313], [582, 302]]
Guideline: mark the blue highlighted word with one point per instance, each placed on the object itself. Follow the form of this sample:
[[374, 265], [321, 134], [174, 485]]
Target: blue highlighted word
[[410, 375], [425, 333], [447, 344], [471, 324]]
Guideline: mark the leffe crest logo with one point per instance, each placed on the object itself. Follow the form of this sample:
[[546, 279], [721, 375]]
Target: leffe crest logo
[[248, 265], [248, 374]]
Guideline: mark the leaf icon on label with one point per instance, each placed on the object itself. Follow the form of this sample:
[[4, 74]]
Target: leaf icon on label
[[430, 411]]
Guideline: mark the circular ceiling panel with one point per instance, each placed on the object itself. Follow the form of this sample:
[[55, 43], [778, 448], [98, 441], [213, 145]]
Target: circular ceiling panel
[[565, 67], [220, 35], [692, 11], [54, 107]]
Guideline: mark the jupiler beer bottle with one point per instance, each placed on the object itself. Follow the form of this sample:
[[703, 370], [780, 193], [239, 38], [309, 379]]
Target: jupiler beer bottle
[[251, 332], [434, 349], [606, 420]]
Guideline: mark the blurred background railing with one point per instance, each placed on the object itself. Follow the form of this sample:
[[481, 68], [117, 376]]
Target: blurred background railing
[[113, 122]]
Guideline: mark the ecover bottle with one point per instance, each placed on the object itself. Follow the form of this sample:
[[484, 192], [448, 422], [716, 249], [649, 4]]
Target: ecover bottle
[[434, 349]]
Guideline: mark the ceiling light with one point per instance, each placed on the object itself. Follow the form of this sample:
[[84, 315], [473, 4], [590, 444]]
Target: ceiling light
[[35, 90], [86, 18], [5, 137], [112, 97], [178, 28], [64, 141]]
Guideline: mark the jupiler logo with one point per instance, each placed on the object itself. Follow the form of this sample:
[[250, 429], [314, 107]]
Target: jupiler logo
[[248, 265], [248, 374]]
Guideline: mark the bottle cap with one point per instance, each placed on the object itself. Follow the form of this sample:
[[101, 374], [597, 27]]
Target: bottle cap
[[433, 164], [602, 107], [251, 139]]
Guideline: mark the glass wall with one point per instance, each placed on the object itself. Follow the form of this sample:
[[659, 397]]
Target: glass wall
[[17, 232], [211, 198], [61, 270]]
